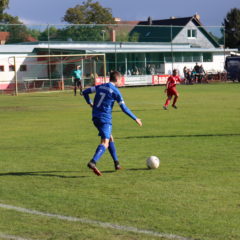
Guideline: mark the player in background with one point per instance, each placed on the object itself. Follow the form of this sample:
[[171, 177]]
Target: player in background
[[171, 90], [106, 95], [76, 79]]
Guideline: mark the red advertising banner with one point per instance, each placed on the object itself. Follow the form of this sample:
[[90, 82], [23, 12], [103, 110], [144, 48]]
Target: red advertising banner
[[159, 79], [136, 80], [101, 80], [122, 83]]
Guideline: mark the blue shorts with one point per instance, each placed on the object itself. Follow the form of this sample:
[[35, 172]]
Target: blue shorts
[[104, 129]]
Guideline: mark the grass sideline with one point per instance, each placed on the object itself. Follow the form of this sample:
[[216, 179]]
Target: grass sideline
[[47, 139]]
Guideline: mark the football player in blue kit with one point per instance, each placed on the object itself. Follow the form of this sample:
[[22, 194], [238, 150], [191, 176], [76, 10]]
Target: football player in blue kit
[[106, 95]]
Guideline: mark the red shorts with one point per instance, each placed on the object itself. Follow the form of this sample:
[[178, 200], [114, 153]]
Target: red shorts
[[172, 92]]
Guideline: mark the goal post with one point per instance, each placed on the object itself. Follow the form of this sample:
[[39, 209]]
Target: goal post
[[54, 72]]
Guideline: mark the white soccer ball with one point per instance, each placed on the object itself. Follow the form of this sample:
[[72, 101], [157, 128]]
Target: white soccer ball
[[153, 162]]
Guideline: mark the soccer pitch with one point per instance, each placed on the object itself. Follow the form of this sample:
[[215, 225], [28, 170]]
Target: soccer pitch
[[48, 138]]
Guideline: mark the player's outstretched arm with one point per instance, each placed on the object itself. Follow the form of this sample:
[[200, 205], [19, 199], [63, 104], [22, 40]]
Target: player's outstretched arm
[[139, 122], [127, 111]]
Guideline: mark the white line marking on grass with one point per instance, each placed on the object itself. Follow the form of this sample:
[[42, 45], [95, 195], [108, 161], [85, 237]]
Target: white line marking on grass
[[96, 223], [6, 236], [39, 92], [47, 92]]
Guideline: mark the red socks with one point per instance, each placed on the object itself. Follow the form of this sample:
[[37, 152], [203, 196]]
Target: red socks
[[175, 100], [167, 102]]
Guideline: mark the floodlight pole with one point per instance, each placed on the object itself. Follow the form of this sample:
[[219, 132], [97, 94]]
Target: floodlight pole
[[145, 62], [172, 47], [224, 47], [62, 78], [82, 67], [126, 66], [104, 68], [49, 52], [15, 77]]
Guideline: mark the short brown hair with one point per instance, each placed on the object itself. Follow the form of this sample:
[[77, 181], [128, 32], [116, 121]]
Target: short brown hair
[[114, 75]]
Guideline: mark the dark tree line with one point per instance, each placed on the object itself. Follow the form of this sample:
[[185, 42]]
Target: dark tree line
[[232, 28], [82, 20]]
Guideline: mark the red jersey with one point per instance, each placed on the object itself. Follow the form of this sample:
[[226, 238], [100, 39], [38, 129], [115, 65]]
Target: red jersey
[[172, 81]]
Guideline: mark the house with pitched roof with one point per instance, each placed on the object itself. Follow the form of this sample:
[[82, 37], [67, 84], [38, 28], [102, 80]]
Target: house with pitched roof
[[188, 30]]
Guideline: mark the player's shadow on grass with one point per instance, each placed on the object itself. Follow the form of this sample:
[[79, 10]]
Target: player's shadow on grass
[[141, 110], [108, 171], [137, 169], [183, 136], [43, 174], [125, 169]]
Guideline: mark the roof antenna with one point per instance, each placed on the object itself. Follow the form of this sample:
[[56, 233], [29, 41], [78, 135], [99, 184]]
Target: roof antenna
[[149, 20]]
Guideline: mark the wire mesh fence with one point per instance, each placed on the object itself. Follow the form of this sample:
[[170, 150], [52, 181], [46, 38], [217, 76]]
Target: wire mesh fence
[[144, 53]]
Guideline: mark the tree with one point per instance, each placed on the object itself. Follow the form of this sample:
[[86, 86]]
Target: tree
[[134, 37], [83, 33], [35, 33], [18, 32], [50, 33], [12, 24], [3, 5], [89, 13], [4, 17], [232, 28]]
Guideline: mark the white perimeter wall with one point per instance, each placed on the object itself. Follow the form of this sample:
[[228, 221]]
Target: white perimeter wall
[[216, 66]]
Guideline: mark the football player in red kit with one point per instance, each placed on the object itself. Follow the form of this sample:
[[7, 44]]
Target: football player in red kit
[[171, 89]]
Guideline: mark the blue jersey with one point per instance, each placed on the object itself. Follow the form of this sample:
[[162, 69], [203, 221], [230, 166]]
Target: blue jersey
[[106, 95]]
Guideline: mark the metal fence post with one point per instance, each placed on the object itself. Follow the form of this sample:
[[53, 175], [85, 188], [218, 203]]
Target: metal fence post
[[15, 77]]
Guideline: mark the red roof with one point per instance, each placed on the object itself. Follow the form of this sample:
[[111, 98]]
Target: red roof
[[31, 39], [4, 36], [128, 22]]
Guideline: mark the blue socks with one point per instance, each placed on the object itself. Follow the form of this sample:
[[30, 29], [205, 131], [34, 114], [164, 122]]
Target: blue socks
[[113, 151], [99, 152]]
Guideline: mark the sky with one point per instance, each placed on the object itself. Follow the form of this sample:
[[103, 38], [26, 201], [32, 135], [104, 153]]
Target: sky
[[212, 12]]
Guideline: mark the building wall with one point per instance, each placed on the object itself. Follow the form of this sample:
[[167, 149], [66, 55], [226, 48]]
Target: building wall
[[200, 40], [34, 69], [216, 66]]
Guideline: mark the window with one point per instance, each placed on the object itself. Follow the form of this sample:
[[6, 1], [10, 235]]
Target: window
[[1, 68], [177, 57], [23, 68], [192, 33], [207, 57], [197, 57], [11, 68], [168, 57], [187, 57]]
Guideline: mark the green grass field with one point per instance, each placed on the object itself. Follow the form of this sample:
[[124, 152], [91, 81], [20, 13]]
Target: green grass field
[[48, 138]]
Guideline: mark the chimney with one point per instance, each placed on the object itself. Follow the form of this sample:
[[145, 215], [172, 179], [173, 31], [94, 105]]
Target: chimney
[[113, 35], [149, 21], [197, 16], [117, 19]]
